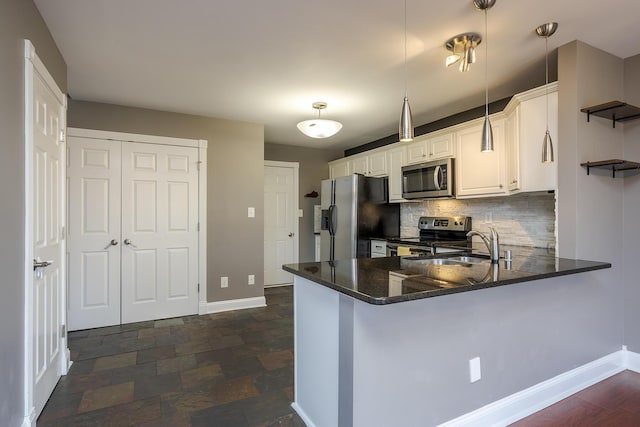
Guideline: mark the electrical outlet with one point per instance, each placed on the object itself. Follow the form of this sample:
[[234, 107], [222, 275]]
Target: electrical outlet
[[252, 279], [251, 212], [488, 217], [224, 282], [474, 370]]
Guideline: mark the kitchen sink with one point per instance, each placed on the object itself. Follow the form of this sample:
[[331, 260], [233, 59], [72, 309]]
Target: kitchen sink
[[438, 261], [468, 259]]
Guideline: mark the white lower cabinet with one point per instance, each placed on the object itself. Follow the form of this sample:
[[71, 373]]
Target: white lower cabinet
[[378, 248], [478, 173]]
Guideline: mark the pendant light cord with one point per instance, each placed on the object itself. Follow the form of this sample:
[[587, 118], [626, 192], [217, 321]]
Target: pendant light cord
[[546, 75], [406, 76], [486, 66]]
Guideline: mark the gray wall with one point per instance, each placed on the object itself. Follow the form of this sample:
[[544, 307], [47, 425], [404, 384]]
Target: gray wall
[[631, 226], [590, 207], [19, 19], [313, 169], [235, 161]]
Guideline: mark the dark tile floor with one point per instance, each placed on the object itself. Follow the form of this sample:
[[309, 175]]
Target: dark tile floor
[[225, 369]]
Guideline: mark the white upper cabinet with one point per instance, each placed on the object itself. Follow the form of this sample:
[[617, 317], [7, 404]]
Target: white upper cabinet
[[374, 164], [431, 147], [395, 161], [340, 167], [360, 165], [478, 173], [526, 126]]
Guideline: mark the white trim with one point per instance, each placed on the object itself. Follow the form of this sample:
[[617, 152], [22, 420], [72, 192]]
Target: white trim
[[526, 402], [202, 221], [302, 415], [536, 92], [134, 137], [30, 419], [232, 304], [279, 164]]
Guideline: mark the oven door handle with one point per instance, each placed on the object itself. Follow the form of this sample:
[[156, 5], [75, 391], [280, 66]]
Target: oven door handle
[[438, 177]]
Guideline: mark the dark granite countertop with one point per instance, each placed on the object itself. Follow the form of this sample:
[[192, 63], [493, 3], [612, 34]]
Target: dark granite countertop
[[397, 279]]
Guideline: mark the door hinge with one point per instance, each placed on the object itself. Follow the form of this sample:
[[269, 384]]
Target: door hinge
[[63, 330], [198, 287], [198, 226], [198, 163], [62, 135], [62, 233]]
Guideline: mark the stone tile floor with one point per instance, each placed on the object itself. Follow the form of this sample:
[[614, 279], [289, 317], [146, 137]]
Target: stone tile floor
[[225, 369]]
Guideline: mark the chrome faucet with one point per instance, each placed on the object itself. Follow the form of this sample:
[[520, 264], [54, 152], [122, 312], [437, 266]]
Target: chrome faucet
[[492, 243]]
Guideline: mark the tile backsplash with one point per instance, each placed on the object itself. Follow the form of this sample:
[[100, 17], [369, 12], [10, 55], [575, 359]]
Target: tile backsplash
[[526, 219]]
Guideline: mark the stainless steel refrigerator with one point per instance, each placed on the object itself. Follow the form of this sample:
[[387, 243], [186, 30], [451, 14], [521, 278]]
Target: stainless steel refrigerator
[[355, 209]]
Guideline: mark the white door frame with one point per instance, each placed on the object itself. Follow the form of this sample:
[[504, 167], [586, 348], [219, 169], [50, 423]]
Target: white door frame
[[296, 202], [32, 66], [201, 145]]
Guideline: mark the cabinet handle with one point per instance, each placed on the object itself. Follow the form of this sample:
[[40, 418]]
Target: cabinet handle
[[500, 185]]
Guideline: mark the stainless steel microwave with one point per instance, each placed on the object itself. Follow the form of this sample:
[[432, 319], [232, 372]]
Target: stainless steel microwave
[[430, 179]]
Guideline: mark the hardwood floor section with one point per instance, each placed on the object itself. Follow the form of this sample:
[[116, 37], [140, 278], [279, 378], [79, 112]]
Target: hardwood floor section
[[614, 402]]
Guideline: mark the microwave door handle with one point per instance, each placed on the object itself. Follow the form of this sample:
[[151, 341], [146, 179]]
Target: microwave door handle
[[437, 177]]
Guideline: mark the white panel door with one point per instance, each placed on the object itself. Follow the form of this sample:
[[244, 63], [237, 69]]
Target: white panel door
[[159, 231], [93, 177], [279, 232], [48, 152]]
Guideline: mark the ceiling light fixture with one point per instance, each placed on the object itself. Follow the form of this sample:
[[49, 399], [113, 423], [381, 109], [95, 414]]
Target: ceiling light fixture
[[319, 128], [546, 31], [405, 128], [462, 48], [487, 132]]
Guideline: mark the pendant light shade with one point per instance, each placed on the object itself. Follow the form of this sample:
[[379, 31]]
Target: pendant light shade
[[545, 31], [405, 128], [486, 144], [319, 128]]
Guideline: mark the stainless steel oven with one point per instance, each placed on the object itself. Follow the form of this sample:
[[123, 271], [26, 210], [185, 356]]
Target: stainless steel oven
[[426, 180]]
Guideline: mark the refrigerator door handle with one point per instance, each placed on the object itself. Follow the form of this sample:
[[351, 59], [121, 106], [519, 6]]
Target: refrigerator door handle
[[332, 220]]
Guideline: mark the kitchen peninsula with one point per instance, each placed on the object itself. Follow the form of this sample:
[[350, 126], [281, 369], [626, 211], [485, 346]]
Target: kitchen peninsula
[[388, 341]]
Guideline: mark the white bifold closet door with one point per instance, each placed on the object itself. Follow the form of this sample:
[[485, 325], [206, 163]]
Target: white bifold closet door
[[133, 238]]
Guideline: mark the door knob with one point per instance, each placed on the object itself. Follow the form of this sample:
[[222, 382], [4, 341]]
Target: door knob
[[128, 242], [41, 264], [291, 234], [113, 242]]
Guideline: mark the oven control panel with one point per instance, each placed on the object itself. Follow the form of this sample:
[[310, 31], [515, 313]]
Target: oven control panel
[[453, 223]]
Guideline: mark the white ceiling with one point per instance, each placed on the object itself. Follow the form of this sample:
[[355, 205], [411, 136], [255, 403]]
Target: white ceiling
[[267, 61]]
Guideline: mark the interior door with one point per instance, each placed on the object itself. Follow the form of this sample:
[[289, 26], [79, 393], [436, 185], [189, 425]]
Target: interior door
[[279, 226], [159, 231], [48, 173], [93, 174]]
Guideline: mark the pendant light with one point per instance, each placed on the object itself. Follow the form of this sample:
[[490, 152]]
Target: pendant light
[[487, 132], [319, 128], [546, 31], [405, 128]]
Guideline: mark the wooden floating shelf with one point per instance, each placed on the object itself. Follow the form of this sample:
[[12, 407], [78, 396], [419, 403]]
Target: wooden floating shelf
[[615, 111], [614, 165]]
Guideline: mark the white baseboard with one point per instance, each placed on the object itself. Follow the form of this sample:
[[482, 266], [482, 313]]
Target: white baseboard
[[233, 304], [526, 402], [30, 420], [302, 415]]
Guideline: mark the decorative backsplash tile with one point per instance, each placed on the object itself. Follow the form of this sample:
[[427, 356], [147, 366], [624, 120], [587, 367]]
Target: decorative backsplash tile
[[526, 219]]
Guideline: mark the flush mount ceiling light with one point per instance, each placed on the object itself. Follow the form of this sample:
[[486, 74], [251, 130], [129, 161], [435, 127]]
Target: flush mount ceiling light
[[405, 128], [546, 31], [462, 48], [486, 145], [319, 128]]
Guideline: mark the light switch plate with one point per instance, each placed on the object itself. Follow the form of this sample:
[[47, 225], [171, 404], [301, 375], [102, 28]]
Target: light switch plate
[[251, 212], [252, 279], [224, 282], [474, 370], [300, 213]]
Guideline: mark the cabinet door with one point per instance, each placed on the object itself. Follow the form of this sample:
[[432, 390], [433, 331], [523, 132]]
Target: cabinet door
[[339, 168], [378, 164], [512, 149], [441, 147], [417, 152], [478, 173], [395, 161], [360, 165]]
